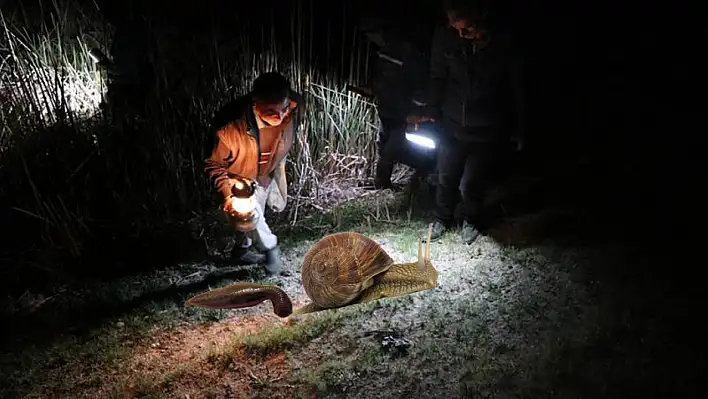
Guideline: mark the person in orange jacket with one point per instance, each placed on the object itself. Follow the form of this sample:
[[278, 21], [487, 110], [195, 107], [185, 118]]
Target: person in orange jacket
[[253, 136]]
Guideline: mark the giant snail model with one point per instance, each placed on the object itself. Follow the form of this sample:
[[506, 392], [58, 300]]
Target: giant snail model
[[341, 269]]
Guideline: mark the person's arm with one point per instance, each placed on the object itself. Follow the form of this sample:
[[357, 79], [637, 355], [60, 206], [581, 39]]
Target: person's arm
[[416, 73], [519, 101], [217, 164], [437, 74], [368, 84]]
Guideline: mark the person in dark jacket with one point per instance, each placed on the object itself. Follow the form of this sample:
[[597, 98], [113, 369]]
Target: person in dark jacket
[[474, 93], [399, 76]]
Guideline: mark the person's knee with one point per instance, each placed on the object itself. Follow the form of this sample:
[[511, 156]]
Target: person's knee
[[448, 178], [391, 146], [471, 194], [264, 232], [473, 188]]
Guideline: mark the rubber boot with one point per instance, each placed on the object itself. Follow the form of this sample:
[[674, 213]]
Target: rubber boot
[[439, 229], [274, 263], [469, 233], [242, 256]]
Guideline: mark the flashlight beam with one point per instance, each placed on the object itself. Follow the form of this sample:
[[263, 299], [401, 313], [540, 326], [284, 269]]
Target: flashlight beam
[[420, 140]]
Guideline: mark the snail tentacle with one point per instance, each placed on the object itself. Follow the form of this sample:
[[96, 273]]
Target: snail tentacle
[[420, 252], [424, 259], [427, 243]]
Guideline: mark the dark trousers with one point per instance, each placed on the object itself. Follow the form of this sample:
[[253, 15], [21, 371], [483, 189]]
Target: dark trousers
[[391, 142], [390, 138], [463, 168]]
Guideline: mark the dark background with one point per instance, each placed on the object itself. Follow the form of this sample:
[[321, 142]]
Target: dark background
[[603, 78], [608, 86]]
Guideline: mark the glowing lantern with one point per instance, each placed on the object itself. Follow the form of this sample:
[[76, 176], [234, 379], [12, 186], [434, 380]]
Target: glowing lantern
[[241, 208]]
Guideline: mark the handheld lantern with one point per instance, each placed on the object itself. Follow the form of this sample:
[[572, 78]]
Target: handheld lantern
[[242, 212]]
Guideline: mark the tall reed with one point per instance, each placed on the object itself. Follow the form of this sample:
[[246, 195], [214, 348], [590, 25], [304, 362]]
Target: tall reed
[[80, 182]]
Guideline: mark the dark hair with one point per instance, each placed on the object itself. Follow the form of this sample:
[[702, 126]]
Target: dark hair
[[374, 24], [271, 88], [474, 10]]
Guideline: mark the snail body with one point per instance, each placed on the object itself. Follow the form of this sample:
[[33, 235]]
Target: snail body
[[341, 269]]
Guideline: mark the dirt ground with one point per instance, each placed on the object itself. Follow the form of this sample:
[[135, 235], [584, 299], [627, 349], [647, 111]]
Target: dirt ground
[[523, 312]]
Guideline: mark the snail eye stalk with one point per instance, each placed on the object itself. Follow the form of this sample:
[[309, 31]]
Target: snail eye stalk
[[427, 243]]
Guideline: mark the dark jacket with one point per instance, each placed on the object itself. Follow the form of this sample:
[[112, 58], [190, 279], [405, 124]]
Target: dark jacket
[[399, 78], [474, 89], [236, 147]]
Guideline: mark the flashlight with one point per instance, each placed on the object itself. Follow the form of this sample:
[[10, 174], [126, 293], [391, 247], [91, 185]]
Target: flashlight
[[242, 212], [420, 140], [420, 137]]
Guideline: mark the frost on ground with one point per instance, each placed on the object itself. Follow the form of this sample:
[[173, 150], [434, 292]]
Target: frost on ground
[[504, 321]]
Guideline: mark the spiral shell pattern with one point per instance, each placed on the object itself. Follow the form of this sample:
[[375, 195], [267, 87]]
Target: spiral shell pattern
[[339, 266]]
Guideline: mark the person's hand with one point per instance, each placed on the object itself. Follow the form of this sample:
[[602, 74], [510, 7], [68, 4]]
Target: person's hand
[[417, 119], [518, 142], [367, 90], [228, 207]]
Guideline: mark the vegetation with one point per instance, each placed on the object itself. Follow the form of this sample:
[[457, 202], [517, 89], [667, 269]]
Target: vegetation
[[83, 183], [540, 317]]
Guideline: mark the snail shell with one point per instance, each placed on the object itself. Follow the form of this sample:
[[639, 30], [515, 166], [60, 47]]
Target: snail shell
[[340, 266]]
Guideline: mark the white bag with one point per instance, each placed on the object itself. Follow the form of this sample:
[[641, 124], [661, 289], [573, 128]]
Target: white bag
[[278, 189]]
